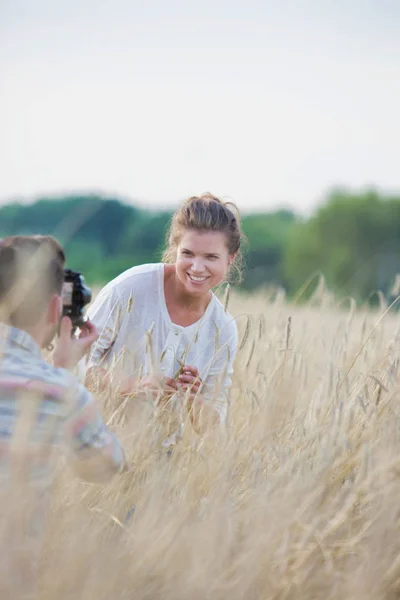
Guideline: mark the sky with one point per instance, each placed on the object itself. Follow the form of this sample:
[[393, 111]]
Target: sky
[[267, 103]]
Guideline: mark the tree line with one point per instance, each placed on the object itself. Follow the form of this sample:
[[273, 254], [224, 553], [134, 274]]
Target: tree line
[[352, 239]]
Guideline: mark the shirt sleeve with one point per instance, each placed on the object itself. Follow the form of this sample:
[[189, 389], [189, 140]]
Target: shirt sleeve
[[219, 379], [95, 451], [105, 313]]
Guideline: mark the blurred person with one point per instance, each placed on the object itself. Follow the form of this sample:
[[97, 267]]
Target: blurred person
[[43, 407], [161, 327]]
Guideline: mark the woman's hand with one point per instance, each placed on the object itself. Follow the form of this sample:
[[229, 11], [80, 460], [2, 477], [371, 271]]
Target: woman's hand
[[189, 379], [166, 385], [128, 386], [133, 385], [202, 414]]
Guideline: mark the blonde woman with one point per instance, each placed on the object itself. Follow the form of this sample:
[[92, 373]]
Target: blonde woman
[[161, 326]]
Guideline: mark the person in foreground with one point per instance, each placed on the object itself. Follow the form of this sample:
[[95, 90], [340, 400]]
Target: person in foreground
[[162, 329], [43, 408]]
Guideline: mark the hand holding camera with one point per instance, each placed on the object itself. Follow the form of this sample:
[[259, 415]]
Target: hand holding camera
[[75, 297], [70, 349]]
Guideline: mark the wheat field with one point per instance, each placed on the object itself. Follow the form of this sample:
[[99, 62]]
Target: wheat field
[[299, 499]]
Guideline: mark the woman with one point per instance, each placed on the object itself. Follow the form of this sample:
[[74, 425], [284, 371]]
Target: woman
[[161, 327]]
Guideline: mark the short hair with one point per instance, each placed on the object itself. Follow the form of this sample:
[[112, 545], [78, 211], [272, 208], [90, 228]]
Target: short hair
[[31, 271]]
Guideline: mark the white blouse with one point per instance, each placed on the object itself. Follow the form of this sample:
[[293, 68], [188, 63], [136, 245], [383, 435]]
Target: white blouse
[[137, 336]]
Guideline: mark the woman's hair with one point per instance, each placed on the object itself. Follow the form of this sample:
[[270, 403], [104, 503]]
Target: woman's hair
[[207, 213], [31, 271]]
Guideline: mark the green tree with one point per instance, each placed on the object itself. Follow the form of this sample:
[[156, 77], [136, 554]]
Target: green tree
[[267, 236], [353, 239]]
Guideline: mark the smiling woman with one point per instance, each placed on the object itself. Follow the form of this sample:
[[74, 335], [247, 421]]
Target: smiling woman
[[162, 329]]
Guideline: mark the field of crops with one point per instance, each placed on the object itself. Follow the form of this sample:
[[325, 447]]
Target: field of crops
[[299, 499]]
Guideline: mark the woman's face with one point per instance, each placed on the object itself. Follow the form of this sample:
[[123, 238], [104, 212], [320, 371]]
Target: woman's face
[[202, 260]]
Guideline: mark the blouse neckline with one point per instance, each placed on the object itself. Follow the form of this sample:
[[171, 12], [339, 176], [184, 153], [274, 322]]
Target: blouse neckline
[[164, 308]]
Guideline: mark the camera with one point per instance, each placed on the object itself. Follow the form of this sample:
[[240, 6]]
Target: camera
[[75, 297]]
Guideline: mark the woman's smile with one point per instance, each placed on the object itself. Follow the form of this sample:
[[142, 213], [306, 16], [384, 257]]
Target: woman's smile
[[196, 279]]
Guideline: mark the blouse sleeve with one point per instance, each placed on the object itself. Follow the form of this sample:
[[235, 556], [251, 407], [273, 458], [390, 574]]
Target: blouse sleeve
[[219, 379], [105, 313]]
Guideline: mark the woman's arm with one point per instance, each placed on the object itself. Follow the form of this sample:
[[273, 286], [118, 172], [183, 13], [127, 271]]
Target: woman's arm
[[105, 313], [97, 378], [100, 379]]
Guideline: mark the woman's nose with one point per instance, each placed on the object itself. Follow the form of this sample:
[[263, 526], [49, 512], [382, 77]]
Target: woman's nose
[[197, 265]]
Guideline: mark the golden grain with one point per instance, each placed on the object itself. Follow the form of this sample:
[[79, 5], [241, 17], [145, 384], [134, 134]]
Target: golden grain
[[298, 499]]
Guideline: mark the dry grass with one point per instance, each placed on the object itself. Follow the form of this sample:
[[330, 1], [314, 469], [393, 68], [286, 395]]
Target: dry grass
[[299, 500]]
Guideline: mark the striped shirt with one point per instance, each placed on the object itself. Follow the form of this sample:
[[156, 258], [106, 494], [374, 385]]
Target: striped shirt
[[44, 410]]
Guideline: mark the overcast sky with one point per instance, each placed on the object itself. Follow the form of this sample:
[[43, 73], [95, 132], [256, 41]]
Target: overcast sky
[[266, 102]]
